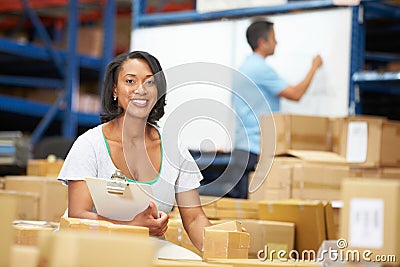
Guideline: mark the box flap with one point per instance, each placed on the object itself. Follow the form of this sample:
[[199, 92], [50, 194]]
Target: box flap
[[318, 156]]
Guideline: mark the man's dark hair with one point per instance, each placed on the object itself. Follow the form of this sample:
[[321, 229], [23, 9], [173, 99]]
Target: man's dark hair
[[110, 108], [258, 29]]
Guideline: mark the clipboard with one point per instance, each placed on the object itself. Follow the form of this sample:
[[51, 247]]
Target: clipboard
[[119, 200]]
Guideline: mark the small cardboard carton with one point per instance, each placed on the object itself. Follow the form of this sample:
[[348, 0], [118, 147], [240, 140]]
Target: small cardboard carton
[[53, 195], [225, 240]]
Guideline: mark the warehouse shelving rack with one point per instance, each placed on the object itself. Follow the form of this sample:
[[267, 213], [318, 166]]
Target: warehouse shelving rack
[[383, 82], [378, 81], [63, 65]]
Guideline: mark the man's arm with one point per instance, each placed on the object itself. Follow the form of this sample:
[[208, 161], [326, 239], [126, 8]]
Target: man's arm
[[296, 92]]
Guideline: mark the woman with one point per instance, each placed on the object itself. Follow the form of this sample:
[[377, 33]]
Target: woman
[[133, 100]]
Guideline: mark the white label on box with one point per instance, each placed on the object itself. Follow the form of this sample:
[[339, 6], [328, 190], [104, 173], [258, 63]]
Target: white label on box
[[366, 222], [357, 141]]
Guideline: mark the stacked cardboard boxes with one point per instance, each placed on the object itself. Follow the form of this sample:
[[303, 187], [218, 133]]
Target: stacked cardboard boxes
[[327, 150], [8, 209], [27, 233], [53, 197], [28, 204]]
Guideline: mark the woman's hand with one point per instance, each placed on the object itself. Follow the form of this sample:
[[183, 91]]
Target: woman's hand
[[157, 226]]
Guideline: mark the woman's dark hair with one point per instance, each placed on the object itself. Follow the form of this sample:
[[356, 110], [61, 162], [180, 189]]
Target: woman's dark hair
[[258, 29], [110, 108]]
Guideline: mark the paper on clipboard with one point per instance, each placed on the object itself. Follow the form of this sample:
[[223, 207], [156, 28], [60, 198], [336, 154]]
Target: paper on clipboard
[[122, 207]]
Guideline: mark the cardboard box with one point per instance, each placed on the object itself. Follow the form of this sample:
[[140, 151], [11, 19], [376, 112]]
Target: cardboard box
[[330, 221], [272, 182], [26, 256], [282, 133], [274, 235], [228, 203], [95, 249], [228, 208], [318, 181], [67, 223], [53, 195], [27, 204], [371, 216], [310, 133], [257, 262], [90, 41], [314, 156], [298, 132], [390, 173], [225, 240], [365, 172], [44, 167], [27, 232], [85, 225], [390, 144], [186, 263], [8, 210], [216, 213], [2, 183], [307, 215], [368, 141]]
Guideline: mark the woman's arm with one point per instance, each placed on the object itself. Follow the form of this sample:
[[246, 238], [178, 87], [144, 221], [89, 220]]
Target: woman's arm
[[80, 205], [193, 218]]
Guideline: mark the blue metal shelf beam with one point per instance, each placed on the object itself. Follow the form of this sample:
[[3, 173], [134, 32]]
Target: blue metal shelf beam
[[377, 9], [31, 81], [384, 57], [176, 17], [32, 108], [41, 53]]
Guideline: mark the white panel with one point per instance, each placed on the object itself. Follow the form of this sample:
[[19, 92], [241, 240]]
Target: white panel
[[189, 43], [300, 37]]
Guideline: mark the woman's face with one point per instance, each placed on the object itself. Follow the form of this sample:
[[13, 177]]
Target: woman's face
[[136, 89]]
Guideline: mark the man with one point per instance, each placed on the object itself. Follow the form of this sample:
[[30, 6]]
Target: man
[[247, 102]]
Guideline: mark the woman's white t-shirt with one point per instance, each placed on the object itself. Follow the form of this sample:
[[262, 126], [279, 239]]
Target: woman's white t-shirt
[[89, 157]]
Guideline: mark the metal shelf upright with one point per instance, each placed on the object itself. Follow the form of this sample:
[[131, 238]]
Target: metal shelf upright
[[66, 62]]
